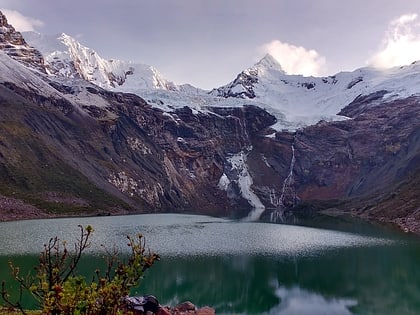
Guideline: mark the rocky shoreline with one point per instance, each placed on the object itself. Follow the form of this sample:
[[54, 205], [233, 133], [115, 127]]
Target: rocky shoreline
[[188, 308]]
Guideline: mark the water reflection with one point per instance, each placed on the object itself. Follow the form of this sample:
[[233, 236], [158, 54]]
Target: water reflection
[[181, 235], [295, 301], [249, 268], [363, 281]]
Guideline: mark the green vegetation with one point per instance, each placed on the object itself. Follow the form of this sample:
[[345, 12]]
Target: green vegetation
[[11, 311], [37, 148], [60, 290]]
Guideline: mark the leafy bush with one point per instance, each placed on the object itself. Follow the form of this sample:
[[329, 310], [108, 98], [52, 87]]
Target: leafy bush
[[60, 290]]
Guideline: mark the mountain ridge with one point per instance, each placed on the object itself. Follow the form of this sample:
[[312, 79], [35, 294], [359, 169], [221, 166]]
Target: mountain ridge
[[295, 100], [71, 147], [15, 46], [65, 56]]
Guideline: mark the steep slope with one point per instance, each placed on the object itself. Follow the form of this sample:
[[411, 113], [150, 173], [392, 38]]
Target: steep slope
[[140, 160], [367, 166], [321, 160], [35, 173], [15, 46], [64, 56], [69, 146], [79, 149], [299, 101]]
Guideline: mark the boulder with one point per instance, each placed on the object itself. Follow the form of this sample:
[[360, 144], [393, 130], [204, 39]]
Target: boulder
[[187, 308]]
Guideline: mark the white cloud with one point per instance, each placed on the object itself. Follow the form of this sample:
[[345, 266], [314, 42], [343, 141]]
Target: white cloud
[[20, 22], [401, 44], [296, 59]]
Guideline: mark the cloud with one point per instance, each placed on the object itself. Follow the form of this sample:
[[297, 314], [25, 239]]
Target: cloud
[[20, 22], [401, 43], [296, 59]]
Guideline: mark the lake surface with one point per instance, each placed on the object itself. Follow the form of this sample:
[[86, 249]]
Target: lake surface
[[248, 267]]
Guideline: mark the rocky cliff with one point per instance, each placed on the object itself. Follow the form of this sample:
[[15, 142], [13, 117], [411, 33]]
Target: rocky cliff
[[70, 147], [144, 159], [15, 46]]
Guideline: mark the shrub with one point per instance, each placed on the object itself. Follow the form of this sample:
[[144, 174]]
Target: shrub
[[60, 290]]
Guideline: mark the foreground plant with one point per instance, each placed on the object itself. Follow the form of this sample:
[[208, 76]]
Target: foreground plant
[[59, 289]]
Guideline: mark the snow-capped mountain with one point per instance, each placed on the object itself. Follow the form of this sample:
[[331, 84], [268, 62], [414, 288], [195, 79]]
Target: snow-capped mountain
[[64, 56], [299, 101], [296, 101], [69, 138], [14, 45]]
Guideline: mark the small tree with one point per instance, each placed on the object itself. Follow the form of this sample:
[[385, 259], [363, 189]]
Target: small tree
[[60, 290]]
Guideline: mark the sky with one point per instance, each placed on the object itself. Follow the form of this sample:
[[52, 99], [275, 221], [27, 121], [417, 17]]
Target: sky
[[207, 43]]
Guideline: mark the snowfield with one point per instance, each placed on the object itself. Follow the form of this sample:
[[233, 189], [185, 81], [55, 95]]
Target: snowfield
[[296, 101]]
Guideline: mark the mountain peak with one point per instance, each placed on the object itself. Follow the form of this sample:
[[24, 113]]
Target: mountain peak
[[66, 57], [8, 34], [3, 19], [15, 46], [269, 62]]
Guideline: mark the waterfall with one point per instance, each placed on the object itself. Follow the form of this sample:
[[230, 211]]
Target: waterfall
[[278, 215], [273, 198], [288, 181]]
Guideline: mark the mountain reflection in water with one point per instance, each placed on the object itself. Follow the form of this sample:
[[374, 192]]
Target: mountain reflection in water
[[246, 267]]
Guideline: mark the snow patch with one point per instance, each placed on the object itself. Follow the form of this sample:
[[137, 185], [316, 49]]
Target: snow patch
[[224, 182], [244, 181], [181, 140]]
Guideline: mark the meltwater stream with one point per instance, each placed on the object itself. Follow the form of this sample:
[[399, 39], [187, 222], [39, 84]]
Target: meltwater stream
[[246, 267]]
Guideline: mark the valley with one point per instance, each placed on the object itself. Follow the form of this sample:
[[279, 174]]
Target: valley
[[85, 136]]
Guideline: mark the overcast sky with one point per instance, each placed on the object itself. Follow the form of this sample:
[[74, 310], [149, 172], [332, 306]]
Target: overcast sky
[[208, 42]]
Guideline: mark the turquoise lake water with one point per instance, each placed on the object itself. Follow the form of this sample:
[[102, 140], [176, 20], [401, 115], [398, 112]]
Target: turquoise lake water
[[248, 267]]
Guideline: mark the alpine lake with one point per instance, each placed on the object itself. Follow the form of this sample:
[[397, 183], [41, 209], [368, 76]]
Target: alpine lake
[[323, 265]]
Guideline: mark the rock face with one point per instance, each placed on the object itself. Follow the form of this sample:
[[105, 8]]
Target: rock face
[[244, 84], [365, 155], [134, 157], [14, 45], [69, 147]]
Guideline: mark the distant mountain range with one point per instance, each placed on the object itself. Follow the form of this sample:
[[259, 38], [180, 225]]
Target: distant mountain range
[[81, 135], [296, 101]]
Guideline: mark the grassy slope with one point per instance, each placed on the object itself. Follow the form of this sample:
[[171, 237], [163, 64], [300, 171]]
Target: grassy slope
[[31, 168]]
